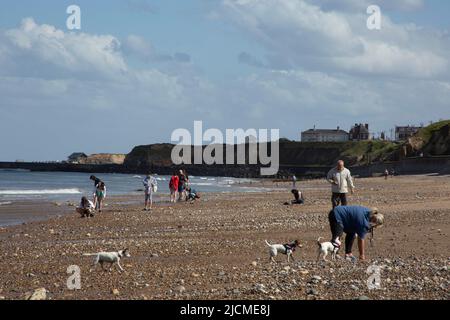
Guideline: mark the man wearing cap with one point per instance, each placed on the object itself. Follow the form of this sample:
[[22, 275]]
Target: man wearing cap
[[353, 220]]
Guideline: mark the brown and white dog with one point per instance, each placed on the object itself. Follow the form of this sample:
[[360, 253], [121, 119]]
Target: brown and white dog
[[325, 248], [287, 249]]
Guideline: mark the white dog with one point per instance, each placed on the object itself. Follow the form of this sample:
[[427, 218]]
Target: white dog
[[109, 257], [325, 248], [287, 249]]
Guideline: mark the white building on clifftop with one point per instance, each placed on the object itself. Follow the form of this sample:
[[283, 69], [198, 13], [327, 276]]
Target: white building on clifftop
[[324, 135]]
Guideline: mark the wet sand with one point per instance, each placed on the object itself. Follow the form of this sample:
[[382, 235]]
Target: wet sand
[[214, 249]]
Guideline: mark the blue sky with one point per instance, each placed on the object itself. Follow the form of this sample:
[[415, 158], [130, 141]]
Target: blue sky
[[140, 69]]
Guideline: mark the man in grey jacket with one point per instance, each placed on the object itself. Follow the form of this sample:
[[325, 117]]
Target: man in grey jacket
[[341, 180]]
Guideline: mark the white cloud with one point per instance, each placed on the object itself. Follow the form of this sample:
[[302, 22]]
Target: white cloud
[[307, 36], [322, 67], [404, 5], [43, 50]]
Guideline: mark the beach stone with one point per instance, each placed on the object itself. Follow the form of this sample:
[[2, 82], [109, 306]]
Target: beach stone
[[260, 288], [195, 275], [354, 287], [39, 294], [115, 292], [180, 289], [254, 263], [363, 298], [312, 292], [304, 272], [155, 255]]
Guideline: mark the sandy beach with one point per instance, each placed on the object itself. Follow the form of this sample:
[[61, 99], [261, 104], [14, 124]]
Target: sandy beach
[[214, 249]]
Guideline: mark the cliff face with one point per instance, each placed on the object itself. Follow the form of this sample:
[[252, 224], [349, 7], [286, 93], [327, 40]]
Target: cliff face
[[439, 143], [433, 140], [150, 155], [104, 158], [291, 153]]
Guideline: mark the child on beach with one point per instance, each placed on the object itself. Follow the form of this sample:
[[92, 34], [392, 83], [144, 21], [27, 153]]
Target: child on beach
[[173, 186], [100, 194], [86, 208], [150, 186], [96, 183], [192, 195]]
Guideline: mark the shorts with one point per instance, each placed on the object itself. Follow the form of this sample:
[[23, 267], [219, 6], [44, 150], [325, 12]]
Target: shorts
[[148, 196], [181, 188]]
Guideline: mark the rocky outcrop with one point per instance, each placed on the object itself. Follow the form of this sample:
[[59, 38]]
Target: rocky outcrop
[[430, 141], [149, 155], [103, 158]]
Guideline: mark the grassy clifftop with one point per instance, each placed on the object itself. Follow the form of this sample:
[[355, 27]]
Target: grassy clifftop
[[432, 140]]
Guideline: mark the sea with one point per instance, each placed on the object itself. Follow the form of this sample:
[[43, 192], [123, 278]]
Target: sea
[[23, 185]]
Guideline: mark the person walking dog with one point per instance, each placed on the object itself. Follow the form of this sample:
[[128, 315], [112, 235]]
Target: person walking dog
[[354, 221]]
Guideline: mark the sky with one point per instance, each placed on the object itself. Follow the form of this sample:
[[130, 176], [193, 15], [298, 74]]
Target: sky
[[140, 69]]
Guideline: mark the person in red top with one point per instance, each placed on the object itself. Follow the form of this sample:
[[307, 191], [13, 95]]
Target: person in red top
[[173, 186]]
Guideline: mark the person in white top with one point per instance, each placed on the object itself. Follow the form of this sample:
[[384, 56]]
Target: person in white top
[[341, 180], [150, 186]]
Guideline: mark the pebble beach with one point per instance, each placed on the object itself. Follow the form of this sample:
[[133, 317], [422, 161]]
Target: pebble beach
[[214, 249]]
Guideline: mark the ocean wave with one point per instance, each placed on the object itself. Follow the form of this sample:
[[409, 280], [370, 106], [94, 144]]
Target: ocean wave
[[5, 203], [44, 191]]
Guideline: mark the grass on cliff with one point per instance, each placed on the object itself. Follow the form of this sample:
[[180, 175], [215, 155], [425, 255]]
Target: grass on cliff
[[374, 149], [426, 133]]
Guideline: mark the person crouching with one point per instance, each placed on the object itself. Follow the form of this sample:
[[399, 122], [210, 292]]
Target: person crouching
[[86, 208]]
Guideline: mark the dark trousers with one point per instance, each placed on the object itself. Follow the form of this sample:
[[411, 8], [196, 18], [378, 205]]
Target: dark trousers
[[337, 230], [338, 199]]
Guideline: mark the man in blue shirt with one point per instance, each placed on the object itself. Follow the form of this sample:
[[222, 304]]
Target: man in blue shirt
[[353, 220]]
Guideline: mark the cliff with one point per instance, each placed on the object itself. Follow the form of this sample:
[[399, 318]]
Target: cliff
[[430, 141], [103, 158], [292, 153]]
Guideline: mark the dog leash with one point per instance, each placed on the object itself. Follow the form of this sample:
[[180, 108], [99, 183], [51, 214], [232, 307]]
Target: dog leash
[[371, 236]]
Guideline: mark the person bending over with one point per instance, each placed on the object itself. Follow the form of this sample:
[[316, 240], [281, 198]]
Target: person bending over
[[298, 197], [192, 195], [353, 220]]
